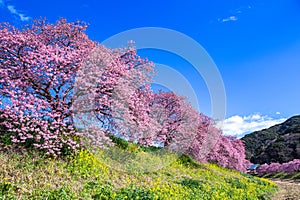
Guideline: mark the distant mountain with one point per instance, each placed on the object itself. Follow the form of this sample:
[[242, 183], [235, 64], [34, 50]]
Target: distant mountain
[[279, 143]]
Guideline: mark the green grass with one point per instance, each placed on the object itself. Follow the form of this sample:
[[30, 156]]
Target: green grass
[[87, 176], [283, 175]]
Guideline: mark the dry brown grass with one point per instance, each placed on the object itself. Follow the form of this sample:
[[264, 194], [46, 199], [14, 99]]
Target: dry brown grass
[[287, 190]]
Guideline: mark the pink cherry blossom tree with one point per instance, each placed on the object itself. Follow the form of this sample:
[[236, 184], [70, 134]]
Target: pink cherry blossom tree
[[229, 152], [113, 95], [176, 120], [37, 69], [273, 168], [207, 135], [175, 117]]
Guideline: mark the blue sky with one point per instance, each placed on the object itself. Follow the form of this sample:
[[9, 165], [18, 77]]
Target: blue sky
[[254, 43]]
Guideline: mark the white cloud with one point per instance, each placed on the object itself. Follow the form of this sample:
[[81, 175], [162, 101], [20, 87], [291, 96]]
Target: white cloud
[[22, 17], [230, 18], [277, 113], [14, 11], [235, 13], [240, 125]]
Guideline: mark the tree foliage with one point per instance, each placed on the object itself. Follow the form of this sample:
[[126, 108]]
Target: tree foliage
[[38, 65], [273, 168], [229, 152], [112, 96]]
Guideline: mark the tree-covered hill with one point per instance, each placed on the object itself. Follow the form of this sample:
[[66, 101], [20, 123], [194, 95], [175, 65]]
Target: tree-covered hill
[[279, 143]]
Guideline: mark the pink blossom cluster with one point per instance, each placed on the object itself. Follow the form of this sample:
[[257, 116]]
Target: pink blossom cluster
[[37, 67], [195, 134], [273, 168], [112, 95], [229, 152]]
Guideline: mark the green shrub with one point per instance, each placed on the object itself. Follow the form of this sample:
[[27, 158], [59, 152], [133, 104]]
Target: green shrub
[[133, 192], [191, 183], [188, 161], [5, 186]]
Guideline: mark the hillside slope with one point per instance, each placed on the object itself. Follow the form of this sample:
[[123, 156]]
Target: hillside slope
[[83, 176], [279, 143]]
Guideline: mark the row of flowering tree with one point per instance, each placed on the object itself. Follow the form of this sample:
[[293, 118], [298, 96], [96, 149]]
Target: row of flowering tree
[[273, 168], [60, 91]]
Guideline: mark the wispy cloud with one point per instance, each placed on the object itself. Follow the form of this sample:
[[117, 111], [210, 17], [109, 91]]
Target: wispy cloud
[[227, 19], [241, 9], [240, 125], [234, 14], [14, 11]]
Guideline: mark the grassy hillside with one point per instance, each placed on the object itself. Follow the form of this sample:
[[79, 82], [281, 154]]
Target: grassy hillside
[[85, 176]]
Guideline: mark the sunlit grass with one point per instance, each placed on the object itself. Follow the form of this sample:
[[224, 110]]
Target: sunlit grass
[[88, 176]]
